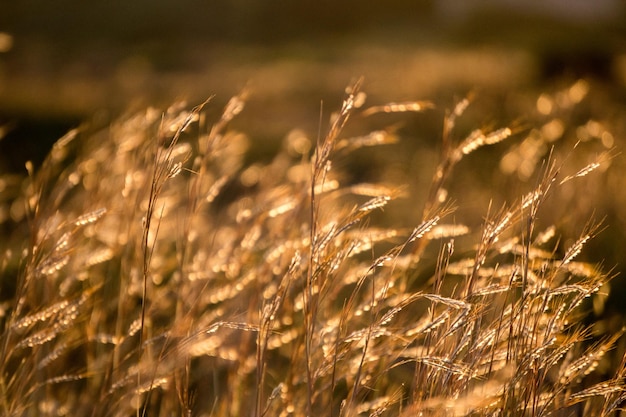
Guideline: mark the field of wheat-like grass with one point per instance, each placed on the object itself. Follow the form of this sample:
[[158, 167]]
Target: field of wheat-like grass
[[162, 271]]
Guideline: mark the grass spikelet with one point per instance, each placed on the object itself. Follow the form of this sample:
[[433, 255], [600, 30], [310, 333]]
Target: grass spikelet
[[478, 139], [408, 106], [375, 203], [602, 389], [447, 230], [586, 363], [91, 217], [590, 230], [584, 171], [375, 138], [422, 229]]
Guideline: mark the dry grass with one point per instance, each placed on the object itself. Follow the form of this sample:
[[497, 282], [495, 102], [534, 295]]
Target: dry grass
[[164, 276]]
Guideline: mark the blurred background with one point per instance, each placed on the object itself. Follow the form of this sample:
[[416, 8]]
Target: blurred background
[[66, 62]]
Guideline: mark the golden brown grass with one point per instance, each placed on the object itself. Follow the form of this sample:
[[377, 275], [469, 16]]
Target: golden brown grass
[[162, 275]]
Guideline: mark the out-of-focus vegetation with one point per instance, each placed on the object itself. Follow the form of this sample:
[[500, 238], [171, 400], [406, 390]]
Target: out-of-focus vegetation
[[70, 61]]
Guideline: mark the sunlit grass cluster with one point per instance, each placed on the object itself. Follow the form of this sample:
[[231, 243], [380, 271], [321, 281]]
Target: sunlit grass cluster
[[164, 274]]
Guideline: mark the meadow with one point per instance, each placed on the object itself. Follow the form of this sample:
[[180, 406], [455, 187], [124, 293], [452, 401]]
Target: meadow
[[161, 265]]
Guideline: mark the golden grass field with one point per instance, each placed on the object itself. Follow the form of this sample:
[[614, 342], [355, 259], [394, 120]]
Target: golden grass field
[[240, 234]]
